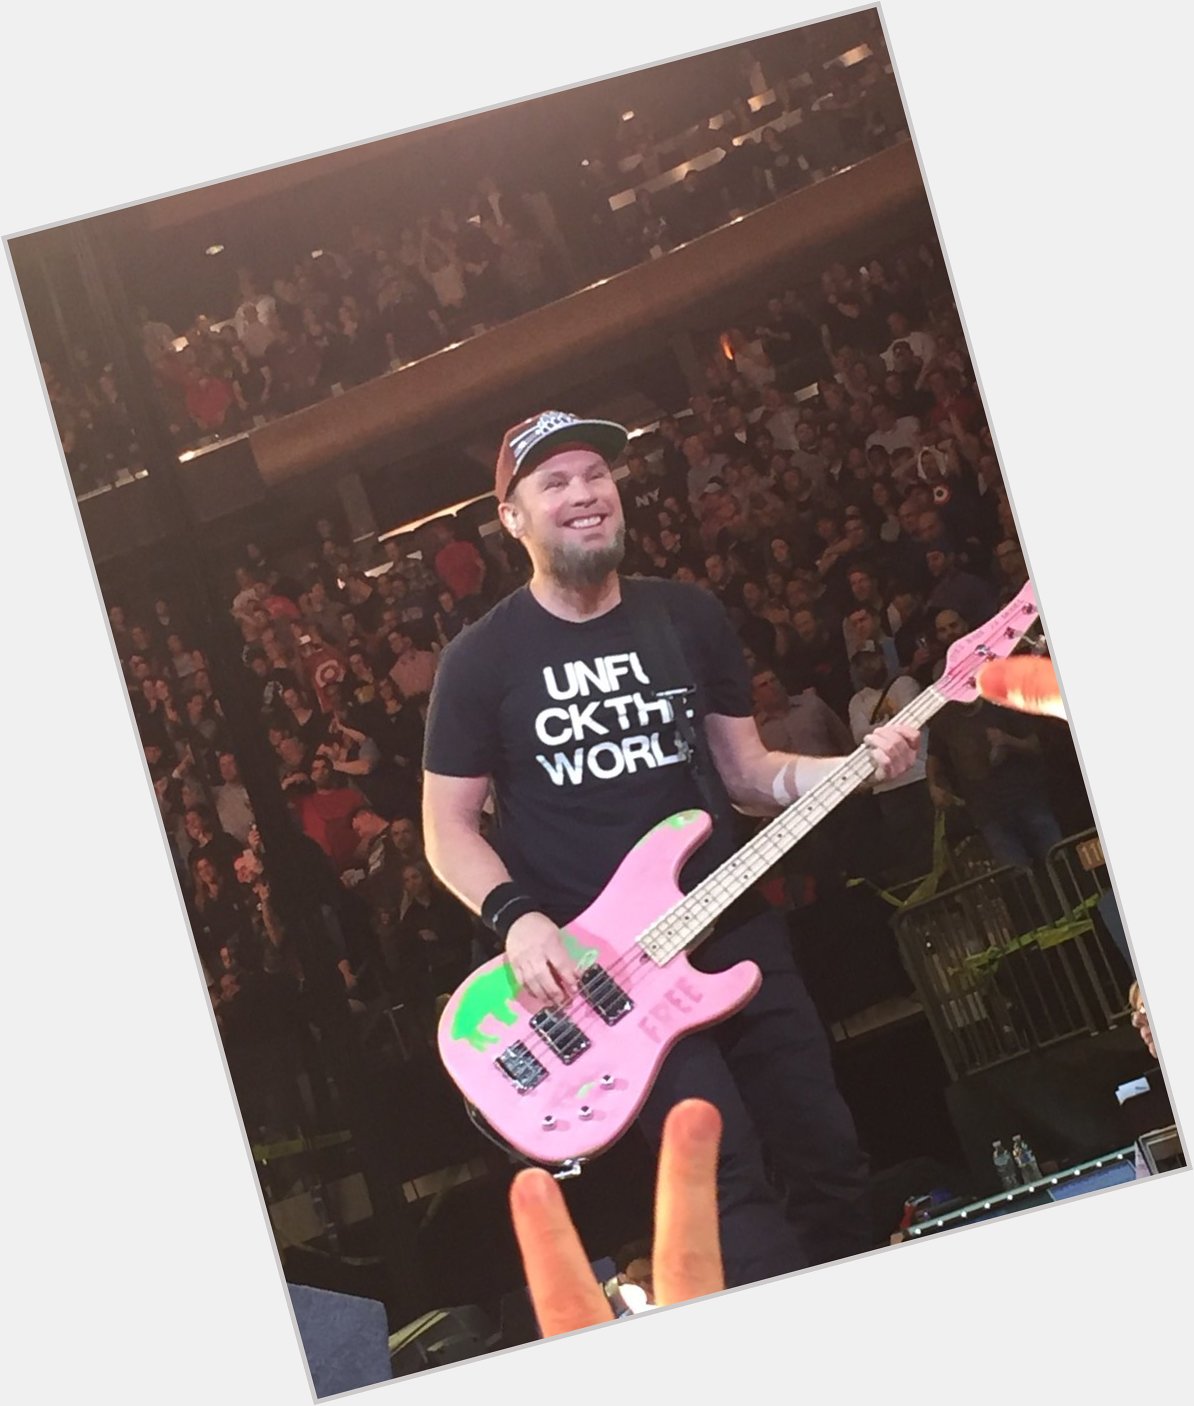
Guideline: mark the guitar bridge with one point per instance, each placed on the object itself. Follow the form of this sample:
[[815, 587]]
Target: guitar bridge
[[565, 1038], [521, 1067], [604, 994]]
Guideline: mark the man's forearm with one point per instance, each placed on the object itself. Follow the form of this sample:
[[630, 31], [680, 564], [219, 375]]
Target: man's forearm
[[361, 767], [778, 779], [465, 863]]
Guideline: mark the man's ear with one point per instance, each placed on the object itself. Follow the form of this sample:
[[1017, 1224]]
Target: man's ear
[[510, 518]]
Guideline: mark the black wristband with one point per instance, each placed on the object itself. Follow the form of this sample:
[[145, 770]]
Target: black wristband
[[503, 906]]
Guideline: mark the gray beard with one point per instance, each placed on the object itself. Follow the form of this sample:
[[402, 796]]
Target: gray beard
[[578, 568]]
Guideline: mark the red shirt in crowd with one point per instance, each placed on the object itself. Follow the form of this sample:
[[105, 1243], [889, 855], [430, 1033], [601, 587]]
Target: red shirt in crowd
[[414, 672], [460, 566], [281, 605], [208, 399], [326, 816]]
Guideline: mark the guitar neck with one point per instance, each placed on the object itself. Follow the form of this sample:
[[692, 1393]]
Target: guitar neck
[[692, 919]]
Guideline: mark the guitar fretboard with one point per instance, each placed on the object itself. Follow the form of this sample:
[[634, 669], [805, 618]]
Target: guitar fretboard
[[691, 920]]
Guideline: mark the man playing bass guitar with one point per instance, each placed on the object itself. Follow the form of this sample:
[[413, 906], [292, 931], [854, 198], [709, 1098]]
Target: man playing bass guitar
[[548, 701]]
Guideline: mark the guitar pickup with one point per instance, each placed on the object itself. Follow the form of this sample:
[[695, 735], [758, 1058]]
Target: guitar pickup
[[604, 994], [521, 1067], [565, 1038]]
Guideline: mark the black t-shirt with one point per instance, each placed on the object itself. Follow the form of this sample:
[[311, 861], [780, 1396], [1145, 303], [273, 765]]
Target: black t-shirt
[[584, 761], [993, 780], [222, 849], [641, 502], [369, 611]]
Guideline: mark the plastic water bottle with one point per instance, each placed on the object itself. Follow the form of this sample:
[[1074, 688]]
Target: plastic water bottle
[[1023, 1157], [1005, 1167]]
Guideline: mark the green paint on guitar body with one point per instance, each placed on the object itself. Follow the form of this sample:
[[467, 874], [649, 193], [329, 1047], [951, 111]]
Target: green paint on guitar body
[[494, 992]]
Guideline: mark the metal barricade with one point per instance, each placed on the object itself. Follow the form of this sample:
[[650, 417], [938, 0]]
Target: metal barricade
[[996, 973], [1078, 871]]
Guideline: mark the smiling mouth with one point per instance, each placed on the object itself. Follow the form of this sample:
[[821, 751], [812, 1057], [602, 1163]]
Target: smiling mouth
[[583, 524]]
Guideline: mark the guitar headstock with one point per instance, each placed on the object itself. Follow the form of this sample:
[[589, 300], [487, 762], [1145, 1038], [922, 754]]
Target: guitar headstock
[[994, 640]]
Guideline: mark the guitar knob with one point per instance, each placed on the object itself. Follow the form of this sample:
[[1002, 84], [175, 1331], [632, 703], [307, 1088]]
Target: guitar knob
[[585, 1112], [549, 1121], [607, 1081]]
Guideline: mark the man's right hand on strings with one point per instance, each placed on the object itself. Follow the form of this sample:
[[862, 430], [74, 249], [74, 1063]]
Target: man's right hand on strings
[[539, 959]]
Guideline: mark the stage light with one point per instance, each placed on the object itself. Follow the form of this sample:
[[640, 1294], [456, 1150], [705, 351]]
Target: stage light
[[627, 116], [853, 56], [317, 253], [584, 161], [213, 249]]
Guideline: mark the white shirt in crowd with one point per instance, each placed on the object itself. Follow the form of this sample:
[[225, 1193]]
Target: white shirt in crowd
[[448, 284], [904, 434], [924, 348], [782, 427], [267, 315], [899, 695], [257, 338], [752, 365], [232, 806]]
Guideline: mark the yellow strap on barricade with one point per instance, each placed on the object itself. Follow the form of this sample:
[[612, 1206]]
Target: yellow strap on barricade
[[291, 1147], [1075, 923], [927, 886]]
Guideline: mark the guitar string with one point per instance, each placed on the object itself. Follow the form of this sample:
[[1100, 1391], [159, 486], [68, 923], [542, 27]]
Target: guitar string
[[624, 970], [836, 787], [776, 834], [814, 805], [822, 798]]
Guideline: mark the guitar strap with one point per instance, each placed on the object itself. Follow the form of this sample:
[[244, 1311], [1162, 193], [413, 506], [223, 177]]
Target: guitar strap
[[671, 680], [879, 700]]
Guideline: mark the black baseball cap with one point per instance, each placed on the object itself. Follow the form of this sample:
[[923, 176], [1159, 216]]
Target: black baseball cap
[[551, 431]]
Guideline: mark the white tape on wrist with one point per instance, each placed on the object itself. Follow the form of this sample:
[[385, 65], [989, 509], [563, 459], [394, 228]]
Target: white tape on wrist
[[783, 787], [797, 777]]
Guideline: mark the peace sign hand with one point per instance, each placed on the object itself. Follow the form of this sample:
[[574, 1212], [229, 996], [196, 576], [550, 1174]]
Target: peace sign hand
[[687, 1255]]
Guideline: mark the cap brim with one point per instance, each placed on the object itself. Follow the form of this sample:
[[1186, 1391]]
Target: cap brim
[[603, 436]]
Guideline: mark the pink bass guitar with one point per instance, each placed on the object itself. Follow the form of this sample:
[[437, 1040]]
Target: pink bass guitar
[[560, 1084]]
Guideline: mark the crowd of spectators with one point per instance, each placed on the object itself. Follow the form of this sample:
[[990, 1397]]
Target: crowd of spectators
[[753, 153], [384, 297], [834, 484]]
